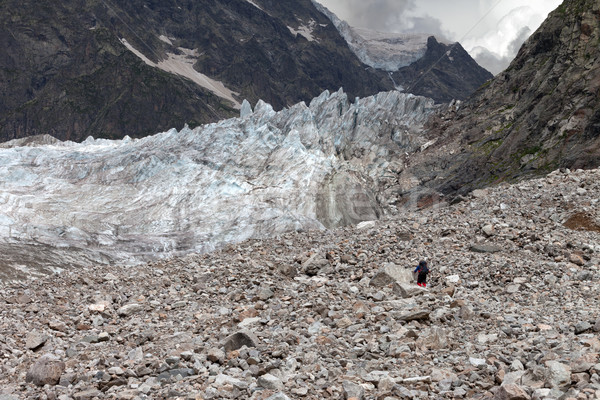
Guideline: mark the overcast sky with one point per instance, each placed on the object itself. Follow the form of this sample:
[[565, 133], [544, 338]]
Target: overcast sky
[[492, 31]]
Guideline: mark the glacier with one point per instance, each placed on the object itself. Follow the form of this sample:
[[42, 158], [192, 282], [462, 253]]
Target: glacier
[[387, 51], [127, 201]]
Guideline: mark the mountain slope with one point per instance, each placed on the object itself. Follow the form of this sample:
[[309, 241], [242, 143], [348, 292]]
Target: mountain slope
[[540, 114], [114, 68]]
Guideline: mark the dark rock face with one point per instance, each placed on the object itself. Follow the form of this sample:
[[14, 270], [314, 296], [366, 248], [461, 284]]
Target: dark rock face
[[444, 73], [541, 114], [64, 70]]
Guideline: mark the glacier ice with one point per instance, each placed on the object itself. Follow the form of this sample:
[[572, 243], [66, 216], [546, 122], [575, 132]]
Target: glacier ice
[[305, 167], [381, 50]]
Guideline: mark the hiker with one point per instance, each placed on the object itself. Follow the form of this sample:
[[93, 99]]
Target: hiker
[[422, 270]]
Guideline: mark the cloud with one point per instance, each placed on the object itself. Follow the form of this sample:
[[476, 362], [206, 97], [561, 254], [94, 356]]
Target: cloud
[[496, 63], [386, 16], [498, 47], [491, 31]]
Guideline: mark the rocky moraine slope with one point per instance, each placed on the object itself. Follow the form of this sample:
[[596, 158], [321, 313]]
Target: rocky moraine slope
[[511, 311]]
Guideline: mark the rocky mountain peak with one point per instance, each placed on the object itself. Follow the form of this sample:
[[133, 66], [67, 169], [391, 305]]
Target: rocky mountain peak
[[446, 72]]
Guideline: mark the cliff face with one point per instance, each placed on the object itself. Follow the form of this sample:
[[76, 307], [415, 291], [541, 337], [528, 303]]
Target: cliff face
[[114, 68], [540, 114]]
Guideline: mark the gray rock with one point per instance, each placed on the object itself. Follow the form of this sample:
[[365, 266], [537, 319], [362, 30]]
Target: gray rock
[[407, 290], [557, 374], [488, 230], [216, 355], [391, 273], [129, 309], [269, 381], [278, 396], [511, 392], [45, 371], [223, 379], [581, 327], [288, 270], [35, 340], [414, 315], [88, 394], [353, 390], [314, 265], [485, 248], [240, 339]]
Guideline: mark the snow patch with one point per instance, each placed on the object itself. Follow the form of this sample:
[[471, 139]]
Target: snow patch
[[254, 4], [183, 65], [305, 30], [166, 39]]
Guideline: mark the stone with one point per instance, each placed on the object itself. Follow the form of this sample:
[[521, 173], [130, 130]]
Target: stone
[[366, 225], [88, 394], [414, 315], [223, 379], [288, 270], [576, 259], [265, 294], [391, 273], [269, 381], [314, 265], [240, 339], [581, 327], [353, 390], [584, 363], [35, 339], [557, 374], [477, 362], [278, 396], [485, 248], [511, 392], [488, 230], [406, 290], [45, 371], [216, 355], [480, 193], [129, 309]]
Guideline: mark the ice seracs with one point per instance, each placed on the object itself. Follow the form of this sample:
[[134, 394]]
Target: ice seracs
[[306, 167]]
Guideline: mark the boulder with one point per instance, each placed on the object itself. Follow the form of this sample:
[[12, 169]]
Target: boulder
[[240, 339], [511, 392], [45, 371]]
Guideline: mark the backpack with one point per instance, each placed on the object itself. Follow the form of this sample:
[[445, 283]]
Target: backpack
[[424, 270]]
